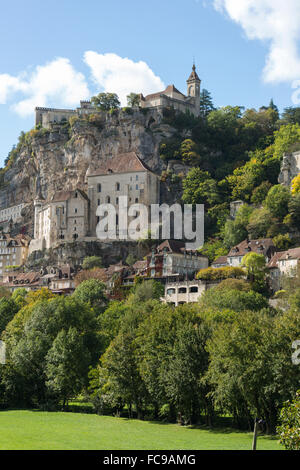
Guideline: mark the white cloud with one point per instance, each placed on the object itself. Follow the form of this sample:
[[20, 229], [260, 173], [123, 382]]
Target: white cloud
[[276, 22], [56, 83], [116, 74]]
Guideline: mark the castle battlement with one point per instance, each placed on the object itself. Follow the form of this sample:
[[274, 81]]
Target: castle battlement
[[46, 116]]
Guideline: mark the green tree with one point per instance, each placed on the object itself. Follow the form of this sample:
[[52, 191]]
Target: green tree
[[250, 365], [293, 218], [255, 265], [296, 185], [291, 116], [106, 101], [92, 292], [282, 242], [277, 201], [289, 429], [91, 262], [232, 299], [199, 188], [67, 365], [30, 337], [8, 309], [235, 231], [133, 100], [259, 223], [190, 152], [121, 365], [260, 193], [206, 103], [147, 290]]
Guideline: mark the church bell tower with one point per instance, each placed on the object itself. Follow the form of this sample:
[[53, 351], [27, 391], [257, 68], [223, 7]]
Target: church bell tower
[[193, 89]]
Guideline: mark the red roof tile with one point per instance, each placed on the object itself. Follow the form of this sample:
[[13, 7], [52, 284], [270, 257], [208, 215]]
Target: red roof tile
[[122, 163]]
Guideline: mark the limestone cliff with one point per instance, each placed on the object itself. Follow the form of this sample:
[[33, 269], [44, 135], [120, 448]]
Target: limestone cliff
[[58, 158]]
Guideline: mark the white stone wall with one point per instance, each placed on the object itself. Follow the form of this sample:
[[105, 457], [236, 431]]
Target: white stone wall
[[139, 187], [184, 292], [13, 255], [13, 212]]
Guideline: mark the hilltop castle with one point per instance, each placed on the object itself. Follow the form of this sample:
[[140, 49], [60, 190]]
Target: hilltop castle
[[170, 97]]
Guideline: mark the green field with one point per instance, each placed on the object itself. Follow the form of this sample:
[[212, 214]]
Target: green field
[[42, 430]]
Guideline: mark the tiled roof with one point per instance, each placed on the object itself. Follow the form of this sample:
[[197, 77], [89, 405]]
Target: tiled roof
[[260, 246], [62, 196], [27, 278], [169, 89], [220, 260], [175, 246], [122, 163], [194, 75], [293, 253], [274, 260], [141, 264]]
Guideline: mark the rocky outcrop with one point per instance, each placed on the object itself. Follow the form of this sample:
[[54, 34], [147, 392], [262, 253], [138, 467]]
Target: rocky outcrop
[[290, 167], [58, 158], [74, 253]]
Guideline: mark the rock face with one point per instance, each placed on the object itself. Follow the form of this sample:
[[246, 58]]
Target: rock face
[[74, 253], [58, 158], [290, 168]]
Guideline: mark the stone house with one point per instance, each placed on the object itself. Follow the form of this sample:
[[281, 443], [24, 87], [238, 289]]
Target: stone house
[[263, 246], [13, 251], [186, 291], [171, 97], [283, 264], [123, 175], [60, 280], [220, 262], [171, 257], [12, 213]]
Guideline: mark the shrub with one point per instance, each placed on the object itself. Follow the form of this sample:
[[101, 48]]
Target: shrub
[[218, 274]]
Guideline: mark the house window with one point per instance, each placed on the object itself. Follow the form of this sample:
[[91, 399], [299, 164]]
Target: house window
[[136, 186], [75, 210], [194, 289], [182, 290], [171, 291], [99, 188], [98, 202], [117, 186], [108, 199]]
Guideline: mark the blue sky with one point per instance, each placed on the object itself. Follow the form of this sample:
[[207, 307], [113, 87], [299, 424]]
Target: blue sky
[[56, 52]]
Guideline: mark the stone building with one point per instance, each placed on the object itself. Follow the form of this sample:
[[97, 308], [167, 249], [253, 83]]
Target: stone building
[[13, 251], [60, 280], [64, 218], [12, 213], [47, 116], [182, 292], [263, 246], [123, 175], [171, 97], [172, 258], [283, 264]]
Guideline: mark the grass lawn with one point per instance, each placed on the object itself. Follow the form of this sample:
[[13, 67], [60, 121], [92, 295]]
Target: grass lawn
[[33, 430]]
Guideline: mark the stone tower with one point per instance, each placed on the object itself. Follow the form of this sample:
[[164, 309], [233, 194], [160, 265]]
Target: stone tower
[[193, 89]]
